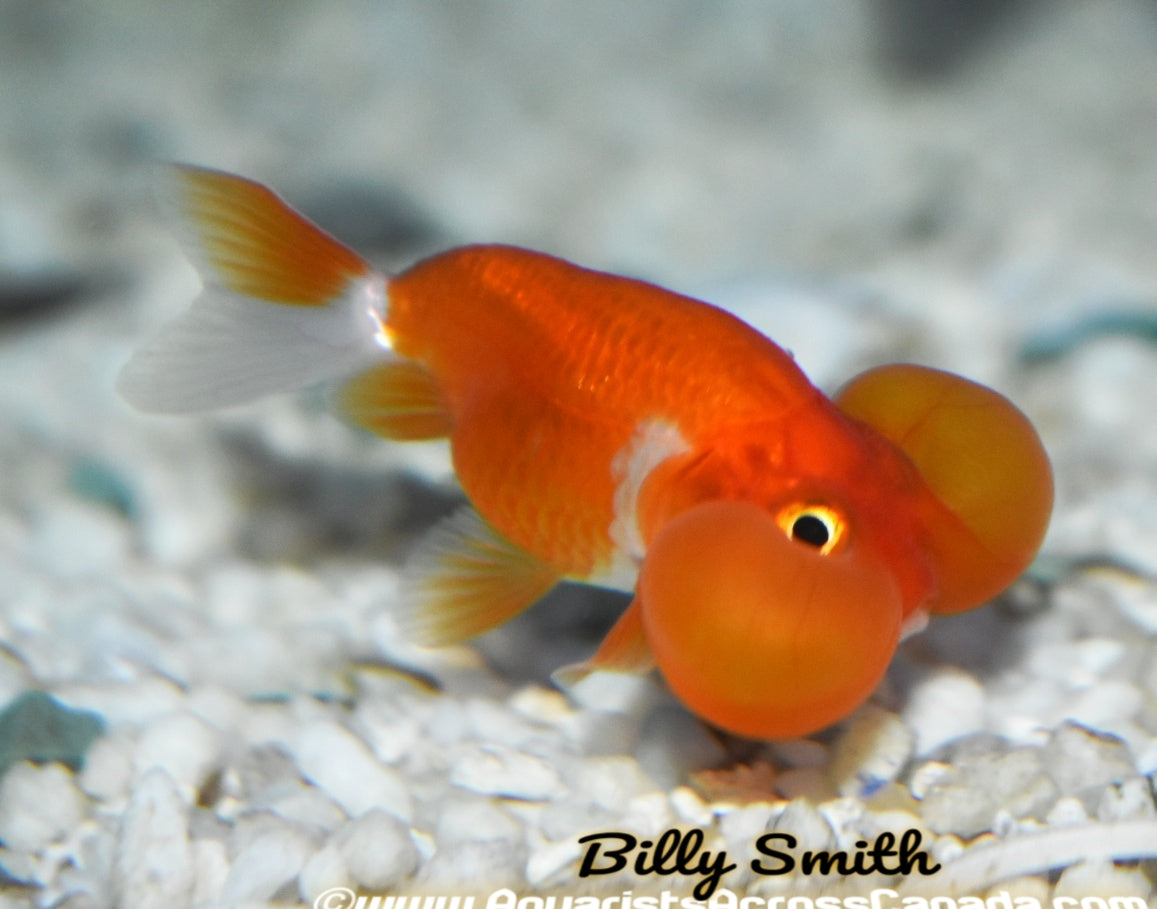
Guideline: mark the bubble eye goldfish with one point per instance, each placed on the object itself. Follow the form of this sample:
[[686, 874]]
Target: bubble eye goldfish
[[606, 430]]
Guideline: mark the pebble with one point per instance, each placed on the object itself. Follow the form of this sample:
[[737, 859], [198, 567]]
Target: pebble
[[108, 768], [1102, 879], [210, 870], [1034, 891], [1020, 780], [668, 766], [541, 705], [1067, 811], [307, 806], [221, 708], [475, 865], [803, 819], [446, 723], [154, 866], [846, 818], [611, 780], [599, 732], [611, 691], [502, 771], [324, 870], [79, 539], [959, 810], [1126, 801], [690, 807], [1075, 664], [648, 814], [82, 861], [462, 819], [493, 722], [1106, 703], [125, 704], [339, 763], [741, 826], [1080, 760], [1147, 758], [564, 819], [377, 851], [187, 747], [1139, 602], [271, 859], [391, 738], [38, 806], [963, 798], [36, 727], [872, 751], [548, 860], [928, 775], [944, 705]]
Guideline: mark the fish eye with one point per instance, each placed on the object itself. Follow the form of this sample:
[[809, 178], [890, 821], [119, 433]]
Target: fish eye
[[817, 526], [810, 529]]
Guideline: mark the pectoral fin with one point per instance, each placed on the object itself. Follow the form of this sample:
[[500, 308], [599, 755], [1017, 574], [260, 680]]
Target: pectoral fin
[[466, 579], [624, 649]]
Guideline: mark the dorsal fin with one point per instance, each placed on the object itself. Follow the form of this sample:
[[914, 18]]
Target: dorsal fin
[[466, 579], [398, 399]]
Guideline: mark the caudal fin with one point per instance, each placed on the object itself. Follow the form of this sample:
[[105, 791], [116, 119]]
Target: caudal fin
[[284, 304]]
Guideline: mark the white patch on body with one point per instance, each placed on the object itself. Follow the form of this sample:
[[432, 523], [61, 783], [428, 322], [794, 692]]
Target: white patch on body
[[653, 443]]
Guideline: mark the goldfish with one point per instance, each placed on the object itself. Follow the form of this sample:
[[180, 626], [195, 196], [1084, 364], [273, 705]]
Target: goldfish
[[778, 543]]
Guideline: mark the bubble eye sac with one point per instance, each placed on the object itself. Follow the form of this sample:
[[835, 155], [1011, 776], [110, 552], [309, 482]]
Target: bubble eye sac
[[982, 460], [817, 526], [760, 634]]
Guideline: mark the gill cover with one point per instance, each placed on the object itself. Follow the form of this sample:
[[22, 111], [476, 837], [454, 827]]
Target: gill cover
[[982, 460], [761, 634]]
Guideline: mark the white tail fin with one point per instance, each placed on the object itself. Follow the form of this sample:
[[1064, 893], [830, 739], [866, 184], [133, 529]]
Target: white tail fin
[[284, 306]]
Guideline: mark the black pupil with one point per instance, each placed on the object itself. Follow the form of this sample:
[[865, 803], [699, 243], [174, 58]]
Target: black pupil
[[807, 528]]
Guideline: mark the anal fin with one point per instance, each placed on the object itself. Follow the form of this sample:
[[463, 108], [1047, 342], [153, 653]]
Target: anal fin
[[624, 649], [398, 399], [466, 579]]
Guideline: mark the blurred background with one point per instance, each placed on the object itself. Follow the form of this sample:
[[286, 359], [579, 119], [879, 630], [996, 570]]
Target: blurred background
[[966, 183], [970, 184], [685, 140]]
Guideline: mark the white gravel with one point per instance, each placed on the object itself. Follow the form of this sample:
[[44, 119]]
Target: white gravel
[[218, 590]]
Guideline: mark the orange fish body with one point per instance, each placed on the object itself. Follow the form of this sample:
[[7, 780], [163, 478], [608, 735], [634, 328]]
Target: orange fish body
[[609, 431]]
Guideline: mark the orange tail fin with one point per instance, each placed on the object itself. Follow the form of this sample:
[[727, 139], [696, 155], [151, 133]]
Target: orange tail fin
[[284, 306]]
